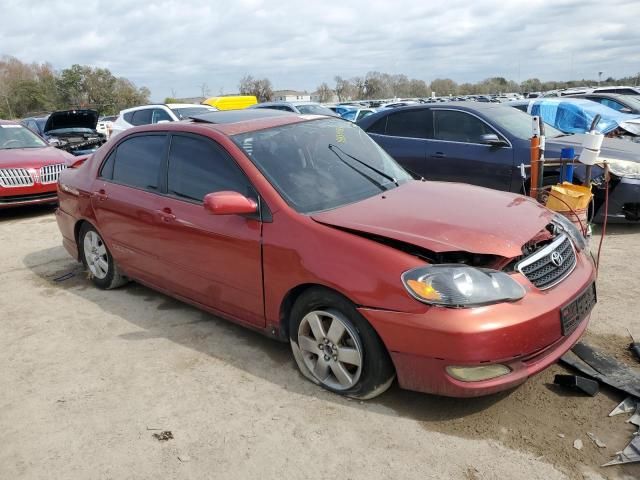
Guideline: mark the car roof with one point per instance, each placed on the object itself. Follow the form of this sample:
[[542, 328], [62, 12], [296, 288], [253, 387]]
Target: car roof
[[233, 122], [186, 105]]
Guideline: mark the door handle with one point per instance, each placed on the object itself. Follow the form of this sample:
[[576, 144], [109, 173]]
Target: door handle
[[101, 195], [166, 215], [438, 155]]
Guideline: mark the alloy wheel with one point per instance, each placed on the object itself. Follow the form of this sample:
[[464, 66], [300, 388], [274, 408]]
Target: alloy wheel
[[95, 254], [331, 349]]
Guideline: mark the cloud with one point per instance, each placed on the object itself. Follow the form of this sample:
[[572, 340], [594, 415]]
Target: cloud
[[181, 44]]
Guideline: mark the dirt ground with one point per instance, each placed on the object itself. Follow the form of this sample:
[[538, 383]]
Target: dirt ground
[[87, 377]]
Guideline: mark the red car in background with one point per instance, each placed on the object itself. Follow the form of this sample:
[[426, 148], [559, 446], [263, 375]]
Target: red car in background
[[29, 167], [303, 228]]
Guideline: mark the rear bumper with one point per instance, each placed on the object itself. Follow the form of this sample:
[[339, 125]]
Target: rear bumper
[[66, 224], [525, 335]]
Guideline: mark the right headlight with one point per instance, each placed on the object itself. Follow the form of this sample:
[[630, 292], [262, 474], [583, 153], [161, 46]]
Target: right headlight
[[624, 168], [461, 285]]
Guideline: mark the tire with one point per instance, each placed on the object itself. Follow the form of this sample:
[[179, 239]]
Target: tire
[[97, 260], [336, 348]]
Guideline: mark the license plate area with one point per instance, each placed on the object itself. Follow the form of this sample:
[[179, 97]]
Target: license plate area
[[572, 314]]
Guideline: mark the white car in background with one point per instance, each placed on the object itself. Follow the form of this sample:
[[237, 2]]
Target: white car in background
[[150, 114], [105, 124]]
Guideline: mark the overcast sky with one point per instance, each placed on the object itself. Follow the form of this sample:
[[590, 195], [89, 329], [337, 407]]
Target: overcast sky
[[180, 44]]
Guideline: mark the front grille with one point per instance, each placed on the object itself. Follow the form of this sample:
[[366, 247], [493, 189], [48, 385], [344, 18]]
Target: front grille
[[53, 196], [549, 265], [15, 177], [50, 173]]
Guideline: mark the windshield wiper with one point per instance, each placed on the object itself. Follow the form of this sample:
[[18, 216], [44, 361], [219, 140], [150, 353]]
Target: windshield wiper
[[379, 172]]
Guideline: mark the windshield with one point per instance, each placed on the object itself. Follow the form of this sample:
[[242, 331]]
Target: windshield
[[315, 110], [17, 136], [321, 164], [186, 112], [350, 115], [518, 123]]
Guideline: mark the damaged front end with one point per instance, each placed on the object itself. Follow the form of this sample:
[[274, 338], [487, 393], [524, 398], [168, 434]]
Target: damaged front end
[[74, 131]]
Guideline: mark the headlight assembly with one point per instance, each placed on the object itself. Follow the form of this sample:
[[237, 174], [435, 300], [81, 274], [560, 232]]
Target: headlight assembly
[[567, 226], [461, 286], [624, 168]]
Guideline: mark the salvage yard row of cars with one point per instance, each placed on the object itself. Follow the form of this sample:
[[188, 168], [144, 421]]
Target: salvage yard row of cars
[[329, 235]]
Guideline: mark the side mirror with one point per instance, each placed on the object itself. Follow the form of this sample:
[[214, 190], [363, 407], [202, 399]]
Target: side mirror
[[229, 203], [491, 139], [54, 142]]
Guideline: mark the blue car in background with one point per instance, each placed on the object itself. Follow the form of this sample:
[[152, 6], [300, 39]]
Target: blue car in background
[[486, 143], [575, 115]]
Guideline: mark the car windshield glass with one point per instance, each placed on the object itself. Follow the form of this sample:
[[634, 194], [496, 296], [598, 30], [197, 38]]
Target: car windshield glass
[[321, 164], [314, 110], [17, 136], [517, 122], [186, 112], [350, 115]]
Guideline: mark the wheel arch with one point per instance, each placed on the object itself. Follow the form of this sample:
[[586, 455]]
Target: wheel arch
[[289, 299]]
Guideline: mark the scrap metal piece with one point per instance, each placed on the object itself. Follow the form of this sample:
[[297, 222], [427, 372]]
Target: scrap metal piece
[[596, 440], [630, 454], [628, 405], [635, 418], [577, 444], [603, 368], [575, 382]]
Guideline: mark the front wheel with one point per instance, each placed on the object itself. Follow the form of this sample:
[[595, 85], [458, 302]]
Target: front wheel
[[336, 348], [97, 259]]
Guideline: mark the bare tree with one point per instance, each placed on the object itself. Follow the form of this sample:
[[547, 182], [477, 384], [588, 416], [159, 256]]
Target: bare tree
[[325, 94], [260, 88]]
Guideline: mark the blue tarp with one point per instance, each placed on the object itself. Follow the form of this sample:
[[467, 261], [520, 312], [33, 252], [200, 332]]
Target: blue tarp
[[576, 115]]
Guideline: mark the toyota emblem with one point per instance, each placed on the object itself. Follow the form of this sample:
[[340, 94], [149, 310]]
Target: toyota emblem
[[556, 259]]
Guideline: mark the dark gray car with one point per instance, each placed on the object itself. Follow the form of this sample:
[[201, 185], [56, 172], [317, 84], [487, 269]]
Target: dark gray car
[[487, 143]]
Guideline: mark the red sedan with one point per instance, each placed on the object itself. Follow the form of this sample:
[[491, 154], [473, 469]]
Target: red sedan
[[29, 167], [301, 227]]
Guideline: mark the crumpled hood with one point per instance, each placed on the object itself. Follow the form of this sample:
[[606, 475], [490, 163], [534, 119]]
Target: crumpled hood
[[442, 217], [71, 119]]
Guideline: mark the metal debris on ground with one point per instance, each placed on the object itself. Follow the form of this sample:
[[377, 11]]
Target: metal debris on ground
[[184, 458], [596, 440], [635, 418], [628, 405], [575, 382], [163, 436], [630, 454], [577, 444], [603, 368], [64, 277], [634, 347]]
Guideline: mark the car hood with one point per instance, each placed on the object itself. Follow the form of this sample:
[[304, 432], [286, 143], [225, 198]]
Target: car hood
[[33, 157], [71, 119], [612, 148], [446, 217]]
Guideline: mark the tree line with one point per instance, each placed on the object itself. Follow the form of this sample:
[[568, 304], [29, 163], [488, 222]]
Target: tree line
[[31, 89], [377, 85]]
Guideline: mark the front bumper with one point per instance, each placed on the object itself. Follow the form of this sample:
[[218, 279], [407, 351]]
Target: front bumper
[[28, 195], [624, 202], [524, 335]]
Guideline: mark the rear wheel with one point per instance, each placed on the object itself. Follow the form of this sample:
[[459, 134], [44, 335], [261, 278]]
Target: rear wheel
[[336, 348], [97, 259]]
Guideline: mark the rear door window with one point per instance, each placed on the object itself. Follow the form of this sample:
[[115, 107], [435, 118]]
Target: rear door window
[[142, 117], [198, 166], [457, 126], [160, 115], [138, 161], [409, 123]]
